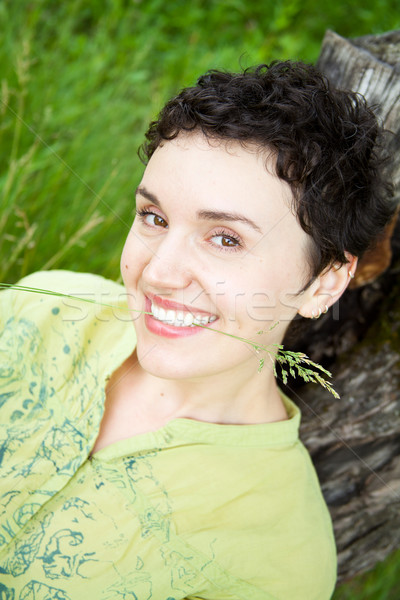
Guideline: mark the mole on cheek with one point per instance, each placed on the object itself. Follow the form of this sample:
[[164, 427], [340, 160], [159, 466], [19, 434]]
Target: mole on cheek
[[126, 267]]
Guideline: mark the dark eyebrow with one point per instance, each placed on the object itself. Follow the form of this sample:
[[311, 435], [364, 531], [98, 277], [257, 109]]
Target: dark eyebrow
[[219, 215], [148, 195], [208, 215]]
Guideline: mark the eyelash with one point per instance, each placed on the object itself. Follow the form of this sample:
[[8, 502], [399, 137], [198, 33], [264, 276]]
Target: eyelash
[[230, 236], [143, 212]]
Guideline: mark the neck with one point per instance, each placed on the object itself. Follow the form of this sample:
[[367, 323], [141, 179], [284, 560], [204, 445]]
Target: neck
[[234, 398]]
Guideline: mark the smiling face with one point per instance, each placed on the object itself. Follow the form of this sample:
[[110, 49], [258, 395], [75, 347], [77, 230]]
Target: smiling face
[[215, 244]]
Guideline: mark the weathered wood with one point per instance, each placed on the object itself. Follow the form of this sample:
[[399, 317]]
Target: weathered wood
[[355, 441], [384, 47]]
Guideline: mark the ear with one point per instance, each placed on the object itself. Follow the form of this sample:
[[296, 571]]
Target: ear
[[327, 288]]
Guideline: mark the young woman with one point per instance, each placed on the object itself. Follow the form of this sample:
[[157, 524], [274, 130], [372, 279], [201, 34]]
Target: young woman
[[155, 461]]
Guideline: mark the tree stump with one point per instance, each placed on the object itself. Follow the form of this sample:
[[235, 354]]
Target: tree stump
[[355, 441]]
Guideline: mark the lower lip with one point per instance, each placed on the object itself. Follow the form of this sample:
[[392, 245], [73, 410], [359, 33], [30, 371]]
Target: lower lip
[[169, 331]]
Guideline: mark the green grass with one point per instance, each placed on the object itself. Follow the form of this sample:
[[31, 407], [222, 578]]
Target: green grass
[[80, 81], [382, 583]]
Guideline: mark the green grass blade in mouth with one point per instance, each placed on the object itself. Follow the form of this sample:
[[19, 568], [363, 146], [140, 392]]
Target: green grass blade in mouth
[[296, 364]]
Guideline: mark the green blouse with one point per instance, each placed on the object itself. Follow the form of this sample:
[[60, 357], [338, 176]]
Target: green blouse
[[192, 510]]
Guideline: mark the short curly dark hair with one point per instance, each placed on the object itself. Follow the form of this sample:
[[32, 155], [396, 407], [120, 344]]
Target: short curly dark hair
[[326, 143]]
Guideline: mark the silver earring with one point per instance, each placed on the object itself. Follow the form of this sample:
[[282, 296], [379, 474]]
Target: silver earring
[[314, 316], [326, 310], [351, 275]]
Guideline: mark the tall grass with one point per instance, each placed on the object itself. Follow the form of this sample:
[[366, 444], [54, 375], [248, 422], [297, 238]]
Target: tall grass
[[382, 583], [80, 80]]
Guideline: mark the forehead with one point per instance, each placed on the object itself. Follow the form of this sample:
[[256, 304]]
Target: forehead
[[217, 171]]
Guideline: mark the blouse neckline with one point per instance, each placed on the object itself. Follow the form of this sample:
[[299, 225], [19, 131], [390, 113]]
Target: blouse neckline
[[183, 431]]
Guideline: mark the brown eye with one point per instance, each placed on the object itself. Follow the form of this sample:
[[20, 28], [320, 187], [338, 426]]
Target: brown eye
[[151, 219], [159, 222], [224, 241], [227, 241]]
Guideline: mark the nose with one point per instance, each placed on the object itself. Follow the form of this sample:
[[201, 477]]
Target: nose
[[168, 267]]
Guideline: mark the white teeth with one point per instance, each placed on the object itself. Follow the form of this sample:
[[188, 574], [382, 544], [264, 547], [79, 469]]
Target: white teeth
[[201, 320], [170, 316], [180, 318], [188, 320]]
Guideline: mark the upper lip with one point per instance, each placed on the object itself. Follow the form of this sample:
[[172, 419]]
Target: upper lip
[[170, 304]]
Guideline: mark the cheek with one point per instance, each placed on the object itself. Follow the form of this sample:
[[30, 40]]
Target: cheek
[[124, 263], [245, 297], [266, 295], [131, 259]]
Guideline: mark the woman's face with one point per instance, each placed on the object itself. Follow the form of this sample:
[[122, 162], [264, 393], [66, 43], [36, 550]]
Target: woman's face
[[214, 242]]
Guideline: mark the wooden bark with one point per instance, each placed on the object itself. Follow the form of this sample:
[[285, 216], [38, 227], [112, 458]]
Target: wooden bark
[[355, 441], [355, 444]]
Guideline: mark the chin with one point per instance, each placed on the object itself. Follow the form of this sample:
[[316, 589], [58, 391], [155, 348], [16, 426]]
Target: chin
[[163, 369]]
